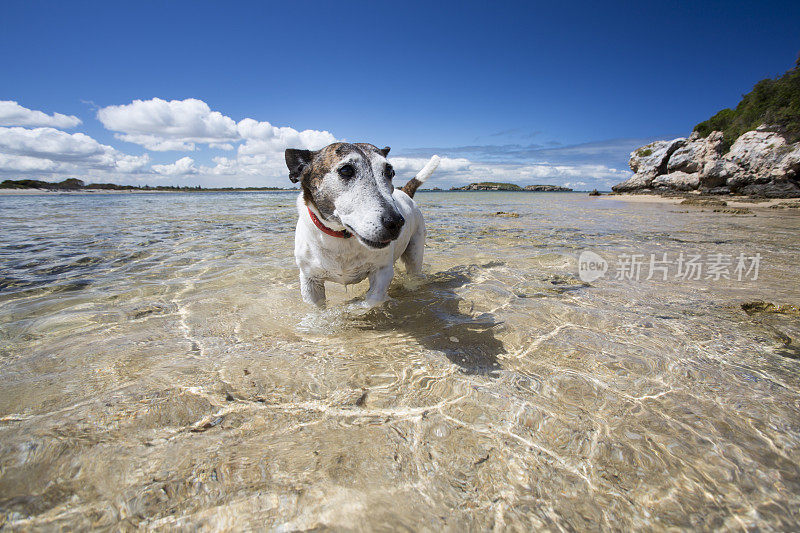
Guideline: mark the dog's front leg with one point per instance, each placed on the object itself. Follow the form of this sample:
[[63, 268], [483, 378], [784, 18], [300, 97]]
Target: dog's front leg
[[379, 282], [312, 290]]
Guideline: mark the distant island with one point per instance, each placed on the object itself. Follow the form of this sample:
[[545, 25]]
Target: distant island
[[547, 188], [76, 185], [752, 150], [497, 186]]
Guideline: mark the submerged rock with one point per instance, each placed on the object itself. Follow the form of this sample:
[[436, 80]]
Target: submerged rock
[[705, 202], [760, 163], [735, 211], [786, 205], [768, 307]]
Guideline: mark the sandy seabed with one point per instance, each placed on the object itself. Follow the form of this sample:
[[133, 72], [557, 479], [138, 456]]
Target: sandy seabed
[[160, 371]]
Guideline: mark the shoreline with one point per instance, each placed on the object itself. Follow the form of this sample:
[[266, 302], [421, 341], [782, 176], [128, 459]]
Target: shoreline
[[34, 192], [732, 201]]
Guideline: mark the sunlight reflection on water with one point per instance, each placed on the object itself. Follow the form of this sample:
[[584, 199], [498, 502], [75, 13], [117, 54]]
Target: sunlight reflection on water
[[160, 370]]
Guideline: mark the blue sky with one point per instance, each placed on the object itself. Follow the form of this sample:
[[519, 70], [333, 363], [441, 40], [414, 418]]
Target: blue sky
[[524, 92]]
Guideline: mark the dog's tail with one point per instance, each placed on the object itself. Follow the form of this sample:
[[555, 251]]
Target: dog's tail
[[411, 187]]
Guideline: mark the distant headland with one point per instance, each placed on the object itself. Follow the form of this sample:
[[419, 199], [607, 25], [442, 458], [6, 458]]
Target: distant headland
[[76, 185], [752, 150], [496, 186]]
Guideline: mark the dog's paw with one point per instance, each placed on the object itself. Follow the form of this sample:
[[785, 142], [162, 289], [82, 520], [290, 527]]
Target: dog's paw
[[364, 306], [361, 307]]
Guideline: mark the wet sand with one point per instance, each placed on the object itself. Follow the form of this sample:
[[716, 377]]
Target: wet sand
[[732, 201]]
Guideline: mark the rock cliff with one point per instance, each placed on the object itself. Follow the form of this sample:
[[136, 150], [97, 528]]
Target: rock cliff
[[760, 163]]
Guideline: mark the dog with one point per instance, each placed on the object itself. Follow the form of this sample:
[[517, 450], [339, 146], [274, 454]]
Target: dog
[[353, 223]]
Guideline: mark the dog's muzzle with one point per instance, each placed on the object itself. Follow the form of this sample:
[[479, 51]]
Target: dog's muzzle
[[393, 225]]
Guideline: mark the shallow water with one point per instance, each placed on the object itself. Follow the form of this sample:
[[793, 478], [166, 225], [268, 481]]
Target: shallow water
[[159, 370]]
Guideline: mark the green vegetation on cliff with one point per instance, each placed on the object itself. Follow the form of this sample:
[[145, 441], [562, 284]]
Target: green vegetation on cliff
[[775, 103]]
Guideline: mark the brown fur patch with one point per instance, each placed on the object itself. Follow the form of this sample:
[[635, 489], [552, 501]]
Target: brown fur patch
[[411, 187]]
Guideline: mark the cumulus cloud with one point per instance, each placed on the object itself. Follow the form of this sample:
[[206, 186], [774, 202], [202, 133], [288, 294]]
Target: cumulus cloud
[[262, 136], [25, 164], [182, 167], [460, 171], [161, 125], [58, 151], [182, 125], [269, 169], [221, 146], [262, 152], [412, 165], [49, 142], [13, 114], [614, 152], [256, 150]]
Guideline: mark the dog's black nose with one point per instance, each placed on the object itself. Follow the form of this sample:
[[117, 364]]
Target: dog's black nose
[[393, 223]]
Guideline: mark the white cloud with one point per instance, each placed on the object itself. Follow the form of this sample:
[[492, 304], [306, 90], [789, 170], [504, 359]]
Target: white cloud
[[182, 125], [58, 151], [263, 136], [49, 142], [26, 164], [182, 167], [412, 165], [262, 153], [13, 114], [157, 144], [161, 125], [131, 164], [225, 166], [190, 124], [221, 146], [460, 171]]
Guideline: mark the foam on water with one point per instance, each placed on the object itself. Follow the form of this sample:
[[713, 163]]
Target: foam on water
[[159, 370]]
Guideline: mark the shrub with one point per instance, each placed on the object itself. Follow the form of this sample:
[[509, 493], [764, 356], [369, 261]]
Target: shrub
[[775, 103]]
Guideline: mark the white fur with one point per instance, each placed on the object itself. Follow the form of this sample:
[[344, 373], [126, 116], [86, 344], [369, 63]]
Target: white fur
[[428, 169], [322, 257]]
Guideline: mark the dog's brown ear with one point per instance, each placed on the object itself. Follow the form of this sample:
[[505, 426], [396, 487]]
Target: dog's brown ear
[[385, 151], [297, 160]]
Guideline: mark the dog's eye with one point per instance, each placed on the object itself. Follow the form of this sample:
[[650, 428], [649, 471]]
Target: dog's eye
[[347, 171], [388, 172]]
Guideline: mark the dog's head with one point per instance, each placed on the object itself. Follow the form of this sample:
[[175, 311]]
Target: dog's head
[[350, 185]]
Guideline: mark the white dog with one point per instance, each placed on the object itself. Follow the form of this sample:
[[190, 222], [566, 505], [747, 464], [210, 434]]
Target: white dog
[[353, 223]]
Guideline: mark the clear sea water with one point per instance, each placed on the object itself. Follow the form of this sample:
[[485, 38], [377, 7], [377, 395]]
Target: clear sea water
[[159, 370]]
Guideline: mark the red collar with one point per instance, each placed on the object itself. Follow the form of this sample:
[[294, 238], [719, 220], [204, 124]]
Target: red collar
[[344, 234]]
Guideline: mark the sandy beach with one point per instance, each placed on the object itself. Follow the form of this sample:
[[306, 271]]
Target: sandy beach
[[732, 201]]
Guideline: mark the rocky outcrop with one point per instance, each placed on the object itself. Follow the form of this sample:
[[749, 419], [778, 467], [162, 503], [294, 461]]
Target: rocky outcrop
[[547, 188], [495, 186], [488, 186], [760, 163]]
